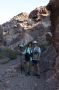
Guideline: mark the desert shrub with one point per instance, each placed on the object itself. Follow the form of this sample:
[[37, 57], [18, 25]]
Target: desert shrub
[[1, 56], [12, 54], [6, 52]]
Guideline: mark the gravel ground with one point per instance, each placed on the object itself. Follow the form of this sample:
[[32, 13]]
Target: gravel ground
[[12, 79]]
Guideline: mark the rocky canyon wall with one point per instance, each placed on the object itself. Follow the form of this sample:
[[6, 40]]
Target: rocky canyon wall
[[53, 7]]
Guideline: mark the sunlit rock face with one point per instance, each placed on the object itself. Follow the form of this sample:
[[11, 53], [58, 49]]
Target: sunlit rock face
[[39, 13], [23, 28]]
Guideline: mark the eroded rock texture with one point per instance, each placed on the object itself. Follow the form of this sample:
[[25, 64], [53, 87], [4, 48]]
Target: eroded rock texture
[[38, 13], [53, 7]]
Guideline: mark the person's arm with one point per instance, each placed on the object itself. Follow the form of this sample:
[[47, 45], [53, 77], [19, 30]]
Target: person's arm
[[39, 53], [24, 52], [39, 50]]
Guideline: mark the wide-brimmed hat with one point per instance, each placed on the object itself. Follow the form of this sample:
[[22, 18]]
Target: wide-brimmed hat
[[34, 42]]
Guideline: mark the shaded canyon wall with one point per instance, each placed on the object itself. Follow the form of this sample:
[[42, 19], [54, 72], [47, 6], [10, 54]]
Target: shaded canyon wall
[[53, 7]]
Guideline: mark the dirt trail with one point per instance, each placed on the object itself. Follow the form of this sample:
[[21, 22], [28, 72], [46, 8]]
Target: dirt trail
[[12, 79]]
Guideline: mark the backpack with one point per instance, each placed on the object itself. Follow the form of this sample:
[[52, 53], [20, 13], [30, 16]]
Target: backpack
[[36, 51], [27, 55]]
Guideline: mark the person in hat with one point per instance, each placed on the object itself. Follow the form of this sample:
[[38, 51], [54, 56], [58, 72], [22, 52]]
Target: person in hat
[[36, 57], [21, 57]]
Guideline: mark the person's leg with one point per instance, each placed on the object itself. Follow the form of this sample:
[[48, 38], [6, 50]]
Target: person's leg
[[30, 67], [27, 68], [36, 69]]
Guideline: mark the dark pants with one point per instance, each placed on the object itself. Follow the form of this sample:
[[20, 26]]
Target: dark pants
[[27, 63]]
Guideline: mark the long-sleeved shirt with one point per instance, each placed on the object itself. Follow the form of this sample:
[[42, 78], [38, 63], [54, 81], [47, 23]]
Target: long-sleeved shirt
[[36, 53]]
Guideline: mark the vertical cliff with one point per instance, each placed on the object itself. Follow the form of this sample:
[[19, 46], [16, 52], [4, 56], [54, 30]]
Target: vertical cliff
[[53, 7]]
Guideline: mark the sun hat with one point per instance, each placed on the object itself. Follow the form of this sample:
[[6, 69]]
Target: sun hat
[[34, 42]]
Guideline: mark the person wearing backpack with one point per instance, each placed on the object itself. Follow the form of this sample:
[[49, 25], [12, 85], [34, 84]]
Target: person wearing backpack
[[36, 58], [28, 58]]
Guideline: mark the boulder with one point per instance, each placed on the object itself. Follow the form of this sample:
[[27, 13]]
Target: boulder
[[47, 60], [38, 13], [53, 7], [54, 17]]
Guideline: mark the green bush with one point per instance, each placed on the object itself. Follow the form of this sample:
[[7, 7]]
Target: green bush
[[6, 52], [12, 54], [1, 56]]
